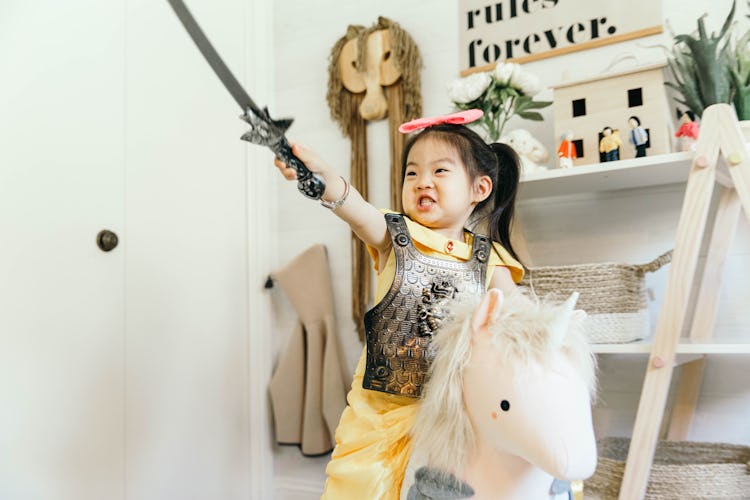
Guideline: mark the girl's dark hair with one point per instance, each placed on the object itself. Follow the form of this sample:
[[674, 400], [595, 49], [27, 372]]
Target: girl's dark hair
[[498, 161], [637, 120]]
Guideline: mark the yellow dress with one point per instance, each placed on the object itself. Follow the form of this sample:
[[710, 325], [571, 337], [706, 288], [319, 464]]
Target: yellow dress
[[373, 444]]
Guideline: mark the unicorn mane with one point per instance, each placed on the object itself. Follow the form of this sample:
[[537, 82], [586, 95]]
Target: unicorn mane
[[521, 333]]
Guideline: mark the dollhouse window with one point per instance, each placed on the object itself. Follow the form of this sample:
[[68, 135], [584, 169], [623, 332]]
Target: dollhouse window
[[578, 143], [635, 97], [579, 107]]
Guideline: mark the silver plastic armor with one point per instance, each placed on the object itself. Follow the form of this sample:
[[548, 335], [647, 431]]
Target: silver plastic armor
[[400, 327]]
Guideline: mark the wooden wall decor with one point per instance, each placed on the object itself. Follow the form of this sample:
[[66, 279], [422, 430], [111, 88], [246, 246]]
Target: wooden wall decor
[[373, 73]]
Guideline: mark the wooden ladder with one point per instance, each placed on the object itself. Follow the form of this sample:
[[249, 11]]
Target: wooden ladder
[[721, 156]]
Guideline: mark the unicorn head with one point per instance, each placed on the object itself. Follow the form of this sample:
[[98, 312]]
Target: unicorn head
[[507, 407]]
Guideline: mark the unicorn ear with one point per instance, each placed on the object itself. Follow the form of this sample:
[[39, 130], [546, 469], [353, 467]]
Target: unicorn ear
[[560, 328], [570, 304], [488, 309]]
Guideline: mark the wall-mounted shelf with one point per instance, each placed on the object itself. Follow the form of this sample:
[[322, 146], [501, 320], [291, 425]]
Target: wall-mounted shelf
[[722, 158], [685, 346], [670, 168]]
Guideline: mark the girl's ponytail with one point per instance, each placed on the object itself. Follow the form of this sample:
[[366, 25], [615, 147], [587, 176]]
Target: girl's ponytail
[[499, 220]]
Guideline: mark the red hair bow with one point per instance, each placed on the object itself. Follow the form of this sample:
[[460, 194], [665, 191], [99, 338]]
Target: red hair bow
[[459, 118]]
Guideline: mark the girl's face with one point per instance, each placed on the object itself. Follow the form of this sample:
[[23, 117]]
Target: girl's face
[[437, 190]]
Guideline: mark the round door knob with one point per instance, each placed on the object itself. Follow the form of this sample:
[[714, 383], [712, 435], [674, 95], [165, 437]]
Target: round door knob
[[106, 240]]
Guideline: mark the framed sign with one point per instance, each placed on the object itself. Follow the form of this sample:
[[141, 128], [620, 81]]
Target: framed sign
[[527, 30]]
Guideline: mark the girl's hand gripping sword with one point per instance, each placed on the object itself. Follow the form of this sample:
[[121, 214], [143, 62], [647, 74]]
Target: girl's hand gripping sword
[[268, 132], [264, 130]]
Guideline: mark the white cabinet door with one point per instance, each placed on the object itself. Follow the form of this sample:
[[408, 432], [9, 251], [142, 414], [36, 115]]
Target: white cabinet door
[[61, 298], [122, 374]]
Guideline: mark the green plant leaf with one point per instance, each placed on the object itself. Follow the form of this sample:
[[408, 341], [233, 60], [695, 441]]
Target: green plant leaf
[[701, 66], [539, 104], [523, 102], [531, 115]]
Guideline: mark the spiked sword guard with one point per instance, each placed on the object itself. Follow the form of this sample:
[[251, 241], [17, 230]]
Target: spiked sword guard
[[268, 132]]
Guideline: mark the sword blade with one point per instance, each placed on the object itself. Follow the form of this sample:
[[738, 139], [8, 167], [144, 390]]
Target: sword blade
[[264, 130], [212, 57]]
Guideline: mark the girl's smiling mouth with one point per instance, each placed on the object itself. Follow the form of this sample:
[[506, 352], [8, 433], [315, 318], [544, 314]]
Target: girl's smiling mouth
[[425, 202]]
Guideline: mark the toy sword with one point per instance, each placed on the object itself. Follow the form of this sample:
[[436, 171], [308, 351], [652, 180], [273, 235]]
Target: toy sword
[[264, 130]]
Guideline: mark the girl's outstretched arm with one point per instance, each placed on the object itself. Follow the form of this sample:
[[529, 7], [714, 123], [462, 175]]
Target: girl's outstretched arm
[[365, 220]]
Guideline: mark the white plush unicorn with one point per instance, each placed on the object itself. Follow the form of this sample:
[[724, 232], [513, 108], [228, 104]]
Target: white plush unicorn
[[507, 409]]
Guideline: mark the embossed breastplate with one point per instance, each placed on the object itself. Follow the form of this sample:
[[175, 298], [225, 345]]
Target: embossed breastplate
[[399, 328]]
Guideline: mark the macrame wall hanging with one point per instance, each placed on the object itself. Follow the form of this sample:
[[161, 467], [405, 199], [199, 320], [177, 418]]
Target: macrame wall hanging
[[373, 73]]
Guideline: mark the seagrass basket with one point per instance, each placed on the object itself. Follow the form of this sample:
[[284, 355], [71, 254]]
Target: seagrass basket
[[681, 470], [613, 295]]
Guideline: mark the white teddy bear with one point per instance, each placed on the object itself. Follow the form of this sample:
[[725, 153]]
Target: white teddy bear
[[529, 149]]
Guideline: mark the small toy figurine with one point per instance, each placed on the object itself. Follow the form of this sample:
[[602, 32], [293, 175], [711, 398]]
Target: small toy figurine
[[609, 145], [688, 131], [638, 136], [566, 153]]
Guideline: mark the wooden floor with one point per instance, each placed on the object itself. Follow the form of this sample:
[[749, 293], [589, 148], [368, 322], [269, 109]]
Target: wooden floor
[[297, 477]]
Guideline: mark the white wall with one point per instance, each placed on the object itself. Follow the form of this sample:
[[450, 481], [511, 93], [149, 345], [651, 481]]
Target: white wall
[[628, 226]]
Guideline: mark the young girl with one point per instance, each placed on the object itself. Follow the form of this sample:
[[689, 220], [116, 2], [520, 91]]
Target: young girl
[[451, 179]]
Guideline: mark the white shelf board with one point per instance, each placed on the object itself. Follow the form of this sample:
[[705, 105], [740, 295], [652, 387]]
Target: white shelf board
[[656, 170], [685, 346]]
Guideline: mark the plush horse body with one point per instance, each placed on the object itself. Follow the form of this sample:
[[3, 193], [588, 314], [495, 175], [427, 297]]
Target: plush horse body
[[507, 408]]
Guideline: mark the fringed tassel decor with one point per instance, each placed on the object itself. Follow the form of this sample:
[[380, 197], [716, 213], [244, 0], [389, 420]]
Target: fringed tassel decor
[[404, 103], [396, 117], [361, 273]]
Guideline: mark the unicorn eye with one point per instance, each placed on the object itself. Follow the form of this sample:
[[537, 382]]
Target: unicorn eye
[[505, 405]]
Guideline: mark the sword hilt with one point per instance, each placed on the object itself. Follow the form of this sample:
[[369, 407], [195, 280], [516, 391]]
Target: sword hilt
[[309, 184]]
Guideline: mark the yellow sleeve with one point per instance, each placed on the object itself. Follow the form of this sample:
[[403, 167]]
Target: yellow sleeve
[[372, 251], [501, 257], [374, 256]]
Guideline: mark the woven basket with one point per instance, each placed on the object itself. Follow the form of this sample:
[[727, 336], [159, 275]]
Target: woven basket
[[613, 295], [681, 470]]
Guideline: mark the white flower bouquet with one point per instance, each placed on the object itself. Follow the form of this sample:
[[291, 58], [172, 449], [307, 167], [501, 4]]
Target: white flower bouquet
[[501, 93]]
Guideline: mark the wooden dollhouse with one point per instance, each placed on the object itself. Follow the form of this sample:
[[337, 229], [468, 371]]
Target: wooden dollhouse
[[585, 107]]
